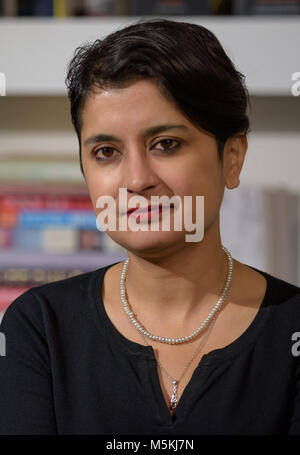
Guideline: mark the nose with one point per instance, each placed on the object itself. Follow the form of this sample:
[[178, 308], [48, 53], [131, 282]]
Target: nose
[[138, 174]]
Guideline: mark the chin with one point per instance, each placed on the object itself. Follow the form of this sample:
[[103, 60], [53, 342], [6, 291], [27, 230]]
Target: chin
[[148, 242]]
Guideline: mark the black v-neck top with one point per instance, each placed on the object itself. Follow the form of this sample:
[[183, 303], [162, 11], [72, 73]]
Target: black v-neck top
[[68, 370]]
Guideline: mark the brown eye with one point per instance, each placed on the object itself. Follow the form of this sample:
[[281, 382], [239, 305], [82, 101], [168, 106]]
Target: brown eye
[[104, 153], [168, 145]]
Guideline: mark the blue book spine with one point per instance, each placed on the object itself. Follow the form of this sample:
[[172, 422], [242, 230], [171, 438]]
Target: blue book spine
[[27, 239], [37, 219], [43, 8]]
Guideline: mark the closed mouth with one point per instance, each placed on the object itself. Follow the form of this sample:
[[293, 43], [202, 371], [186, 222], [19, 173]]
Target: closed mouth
[[150, 208]]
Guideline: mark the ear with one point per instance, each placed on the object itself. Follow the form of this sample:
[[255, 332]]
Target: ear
[[235, 149]]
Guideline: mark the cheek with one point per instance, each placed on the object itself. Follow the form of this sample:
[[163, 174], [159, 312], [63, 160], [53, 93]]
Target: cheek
[[203, 180], [99, 185]]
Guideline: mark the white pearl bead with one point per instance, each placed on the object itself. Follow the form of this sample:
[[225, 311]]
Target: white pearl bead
[[202, 325]]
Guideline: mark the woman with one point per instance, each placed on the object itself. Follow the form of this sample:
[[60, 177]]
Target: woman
[[181, 338]]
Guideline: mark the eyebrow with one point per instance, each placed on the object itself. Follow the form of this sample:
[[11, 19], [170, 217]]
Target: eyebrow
[[146, 133]]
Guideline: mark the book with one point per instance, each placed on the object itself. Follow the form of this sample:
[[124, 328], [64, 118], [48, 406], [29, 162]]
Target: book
[[11, 205], [53, 189], [6, 237], [49, 218], [168, 7], [26, 7], [15, 201], [99, 7], [257, 7], [35, 276], [96, 7], [59, 8], [80, 219]]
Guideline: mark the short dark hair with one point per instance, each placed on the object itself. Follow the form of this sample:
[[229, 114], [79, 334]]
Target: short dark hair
[[185, 60]]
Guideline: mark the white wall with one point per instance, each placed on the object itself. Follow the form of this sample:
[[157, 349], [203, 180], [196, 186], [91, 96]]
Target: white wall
[[34, 51]]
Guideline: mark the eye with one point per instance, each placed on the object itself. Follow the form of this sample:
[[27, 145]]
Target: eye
[[167, 143], [107, 153]]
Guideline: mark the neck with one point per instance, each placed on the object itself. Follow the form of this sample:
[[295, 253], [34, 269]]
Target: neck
[[179, 283]]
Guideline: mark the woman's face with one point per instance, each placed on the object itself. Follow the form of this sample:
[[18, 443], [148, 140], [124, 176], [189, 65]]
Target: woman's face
[[181, 160]]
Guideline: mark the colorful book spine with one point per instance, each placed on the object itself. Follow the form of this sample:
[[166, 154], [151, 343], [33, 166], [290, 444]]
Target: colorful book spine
[[59, 8], [34, 276], [45, 218], [258, 7], [62, 220], [12, 204], [53, 239], [169, 7]]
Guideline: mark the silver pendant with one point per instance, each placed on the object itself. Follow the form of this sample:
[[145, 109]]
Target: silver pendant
[[174, 400]]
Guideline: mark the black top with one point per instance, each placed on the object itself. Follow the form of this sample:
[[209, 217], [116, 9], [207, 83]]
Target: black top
[[68, 370]]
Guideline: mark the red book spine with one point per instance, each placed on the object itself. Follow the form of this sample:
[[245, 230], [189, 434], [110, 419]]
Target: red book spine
[[9, 293], [12, 204], [44, 201]]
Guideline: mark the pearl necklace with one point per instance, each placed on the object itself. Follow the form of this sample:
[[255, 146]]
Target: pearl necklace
[[196, 332]]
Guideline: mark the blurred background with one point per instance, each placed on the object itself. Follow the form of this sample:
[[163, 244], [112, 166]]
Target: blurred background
[[47, 224]]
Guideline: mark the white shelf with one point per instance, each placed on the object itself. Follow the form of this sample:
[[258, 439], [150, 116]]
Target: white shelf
[[35, 51]]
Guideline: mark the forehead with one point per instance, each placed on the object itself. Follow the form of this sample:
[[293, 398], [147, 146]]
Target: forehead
[[140, 101]]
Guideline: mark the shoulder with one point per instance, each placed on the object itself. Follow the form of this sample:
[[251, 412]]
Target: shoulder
[[283, 296], [281, 288], [285, 290], [61, 296]]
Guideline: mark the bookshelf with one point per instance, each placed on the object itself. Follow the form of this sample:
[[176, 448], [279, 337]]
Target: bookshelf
[[47, 142], [83, 261]]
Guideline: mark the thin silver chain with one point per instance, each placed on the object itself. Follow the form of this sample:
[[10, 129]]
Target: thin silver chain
[[210, 319], [191, 359]]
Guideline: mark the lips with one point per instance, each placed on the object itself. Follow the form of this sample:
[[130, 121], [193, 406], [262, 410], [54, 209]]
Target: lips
[[144, 210], [148, 209]]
